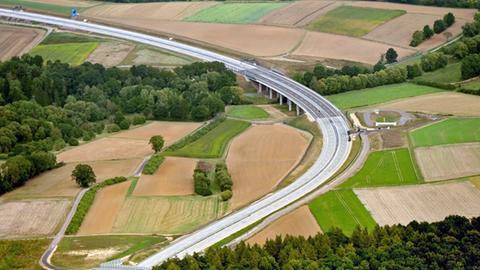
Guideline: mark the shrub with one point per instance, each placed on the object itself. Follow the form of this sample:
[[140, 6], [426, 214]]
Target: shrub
[[226, 195], [138, 120], [444, 86], [99, 127], [59, 144], [152, 164], [113, 128], [427, 32], [433, 61], [124, 124], [201, 183], [73, 142], [414, 71], [449, 19], [222, 177], [417, 38], [88, 136], [470, 66], [439, 26]]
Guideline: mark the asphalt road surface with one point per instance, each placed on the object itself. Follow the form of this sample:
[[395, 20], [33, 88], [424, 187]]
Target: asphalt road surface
[[334, 126]]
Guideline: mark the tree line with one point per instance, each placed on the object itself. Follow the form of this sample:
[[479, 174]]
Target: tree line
[[438, 27], [438, 3], [453, 243]]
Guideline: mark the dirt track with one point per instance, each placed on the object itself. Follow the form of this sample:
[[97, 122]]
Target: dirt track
[[15, 41], [299, 13]]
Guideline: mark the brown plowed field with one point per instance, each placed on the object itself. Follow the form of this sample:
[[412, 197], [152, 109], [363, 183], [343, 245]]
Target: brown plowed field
[[296, 223], [110, 54], [299, 13], [101, 215], [59, 183], [429, 202], [107, 149], [31, 218], [439, 103], [15, 41], [170, 131], [261, 157], [154, 11], [174, 177], [449, 161], [330, 46]]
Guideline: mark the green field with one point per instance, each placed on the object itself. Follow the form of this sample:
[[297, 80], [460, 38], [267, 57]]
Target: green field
[[22, 254], [450, 131], [212, 144], [146, 55], [353, 21], [341, 209], [38, 6], [71, 53], [473, 84], [67, 37], [384, 168], [234, 12], [247, 112], [122, 244], [381, 94], [449, 74]]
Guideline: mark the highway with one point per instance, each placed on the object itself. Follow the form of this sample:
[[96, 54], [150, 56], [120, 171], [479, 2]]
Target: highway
[[334, 126]]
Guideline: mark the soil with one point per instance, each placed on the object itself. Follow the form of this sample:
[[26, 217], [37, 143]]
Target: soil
[[16, 41]]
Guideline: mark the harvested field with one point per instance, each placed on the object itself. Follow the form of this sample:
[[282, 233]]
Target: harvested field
[[15, 41], [448, 161], [167, 215], [344, 48], [107, 149], [296, 223], [31, 218], [144, 55], [439, 103], [170, 131], [154, 11], [298, 13], [261, 157], [234, 12], [110, 54], [431, 202], [59, 183], [101, 215], [173, 177], [67, 3]]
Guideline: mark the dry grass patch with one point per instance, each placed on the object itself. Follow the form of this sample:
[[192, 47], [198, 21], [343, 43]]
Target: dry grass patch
[[296, 223], [107, 149], [439, 103], [59, 183], [15, 41], [170, 131], [448, 161], [261, 157], [101, 215], [432, 202], [299, 13], [31, 218], [110, 54], [174, 177]]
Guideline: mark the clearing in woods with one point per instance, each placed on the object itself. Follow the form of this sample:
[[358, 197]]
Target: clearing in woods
[[234, 12], [381, 94], [340, 209], [71, 53], [247, 112], [449, 131], [353, 21], [384, 168], [15, 41], [428, 202], [448, 161]]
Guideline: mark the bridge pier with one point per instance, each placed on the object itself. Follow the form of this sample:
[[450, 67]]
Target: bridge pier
[[270, 93], [259, 91], [281, 98], [289, 102], [298, 110]]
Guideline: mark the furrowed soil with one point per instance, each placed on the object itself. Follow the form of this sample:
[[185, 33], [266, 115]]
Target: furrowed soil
[[173, 177], [110, 54], [296, 223], [429, 202], [101, 215], [297, 14], [15, 41], [448, 161], [261, 157]]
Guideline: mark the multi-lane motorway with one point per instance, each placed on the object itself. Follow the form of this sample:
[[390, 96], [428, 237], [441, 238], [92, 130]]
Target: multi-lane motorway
[[334, 126]]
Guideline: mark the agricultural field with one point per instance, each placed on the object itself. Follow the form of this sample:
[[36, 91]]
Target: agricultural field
[[71, 53], [212, 144], [22, 254], [15, 41], [247, 112], [449, 131], [145, 55], [438, 103], [261, 157], [381, 94], [429, 202], [384, 168], [110, 54], [234, 12], [353, 21], [86, 252], [297, 14], [448, 161], [298, 222], [46, 6], [173, 177], [449, 74], [341, 209], [30, 218]]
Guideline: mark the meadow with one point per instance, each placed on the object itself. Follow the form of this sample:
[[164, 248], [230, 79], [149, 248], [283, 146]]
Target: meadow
[[71, 53], [353, 21], [22, 254], [234, 12], [247, 112], [384, 168], [449, 74], [381, 94], [340, 209], [450, 131]]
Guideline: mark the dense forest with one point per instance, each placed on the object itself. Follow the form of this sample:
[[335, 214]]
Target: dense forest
[[453, 243]]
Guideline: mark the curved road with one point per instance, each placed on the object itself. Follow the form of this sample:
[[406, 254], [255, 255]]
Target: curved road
[[331, 121]]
